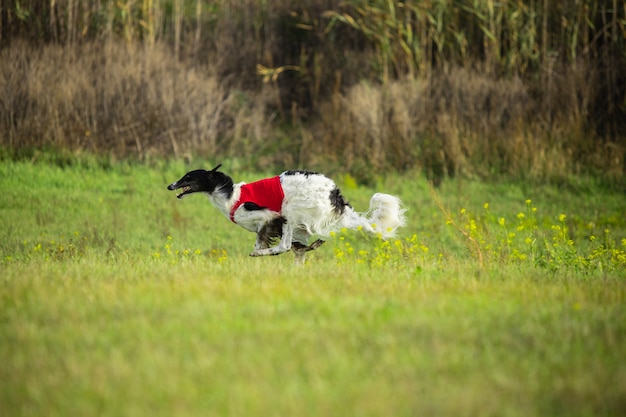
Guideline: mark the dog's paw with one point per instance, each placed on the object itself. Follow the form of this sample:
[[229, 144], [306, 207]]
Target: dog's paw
[[299, 247], [266, 252], [317, 244]]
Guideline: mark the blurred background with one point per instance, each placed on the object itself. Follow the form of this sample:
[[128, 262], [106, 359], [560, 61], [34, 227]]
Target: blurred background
[[525, 89]]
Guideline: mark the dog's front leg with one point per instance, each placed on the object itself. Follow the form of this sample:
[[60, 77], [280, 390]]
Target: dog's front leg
[[261, 242], [283, 246]]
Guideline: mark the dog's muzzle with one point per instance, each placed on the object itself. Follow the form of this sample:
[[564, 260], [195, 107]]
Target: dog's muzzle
[[174, 186]]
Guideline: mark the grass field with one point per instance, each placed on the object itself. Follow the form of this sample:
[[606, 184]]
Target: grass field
[[118, 299]]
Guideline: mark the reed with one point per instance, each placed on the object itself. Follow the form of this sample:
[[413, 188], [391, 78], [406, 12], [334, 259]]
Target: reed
[[527, 88]]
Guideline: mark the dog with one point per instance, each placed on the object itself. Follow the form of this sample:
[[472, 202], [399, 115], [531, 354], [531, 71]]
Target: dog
[[291, 208]]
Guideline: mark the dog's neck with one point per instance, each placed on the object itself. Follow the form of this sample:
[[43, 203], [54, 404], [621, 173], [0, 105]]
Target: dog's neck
[[224, 196]]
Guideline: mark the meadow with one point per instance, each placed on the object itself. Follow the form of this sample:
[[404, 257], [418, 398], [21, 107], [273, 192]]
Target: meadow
[[116, 298], [503, 296]]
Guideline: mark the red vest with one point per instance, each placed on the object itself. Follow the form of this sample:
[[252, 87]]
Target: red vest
[[267, 193]]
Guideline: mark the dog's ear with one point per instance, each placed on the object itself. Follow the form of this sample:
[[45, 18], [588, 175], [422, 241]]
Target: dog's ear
[[216, 168]]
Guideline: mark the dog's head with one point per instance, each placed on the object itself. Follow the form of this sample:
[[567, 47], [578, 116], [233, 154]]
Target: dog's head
[[201, 180]]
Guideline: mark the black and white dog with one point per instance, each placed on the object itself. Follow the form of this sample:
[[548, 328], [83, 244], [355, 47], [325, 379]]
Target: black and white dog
[[292, 207]]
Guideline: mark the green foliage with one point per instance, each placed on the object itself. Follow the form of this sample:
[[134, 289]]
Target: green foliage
[[493, 242], [360, 249], [523, 240], [174, 256], [238, 338], [117, 298], [516, 232], [60, 249]]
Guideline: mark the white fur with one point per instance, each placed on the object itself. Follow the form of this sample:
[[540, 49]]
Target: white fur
[[384, 216], [307, 204]]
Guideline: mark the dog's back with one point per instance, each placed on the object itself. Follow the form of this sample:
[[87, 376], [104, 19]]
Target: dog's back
[[312, 201]]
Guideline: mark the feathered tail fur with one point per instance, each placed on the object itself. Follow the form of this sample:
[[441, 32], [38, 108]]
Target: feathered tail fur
[[384, 216]]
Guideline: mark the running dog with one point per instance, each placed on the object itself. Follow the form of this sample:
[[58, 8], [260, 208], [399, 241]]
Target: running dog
[[290, 208]]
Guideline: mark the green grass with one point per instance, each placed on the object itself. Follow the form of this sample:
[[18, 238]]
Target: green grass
[[118, 299]]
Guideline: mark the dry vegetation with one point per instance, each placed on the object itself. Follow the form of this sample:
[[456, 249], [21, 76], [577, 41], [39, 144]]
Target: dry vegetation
[[528, 89]]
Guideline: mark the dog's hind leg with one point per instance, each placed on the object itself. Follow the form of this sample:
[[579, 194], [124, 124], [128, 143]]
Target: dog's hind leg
[[283, 246], [300, 250], [300, 245]]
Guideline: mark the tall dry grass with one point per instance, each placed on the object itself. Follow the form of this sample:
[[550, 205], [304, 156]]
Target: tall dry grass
[[523, 88], [123, 99], [462, 122]]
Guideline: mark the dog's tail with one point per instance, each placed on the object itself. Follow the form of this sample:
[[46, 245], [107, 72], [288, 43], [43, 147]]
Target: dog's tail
[[384, 217]]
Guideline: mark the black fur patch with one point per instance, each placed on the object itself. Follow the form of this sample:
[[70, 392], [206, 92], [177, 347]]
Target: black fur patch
[[272, 231], [301, 172], [250, 206], [338, 201]]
